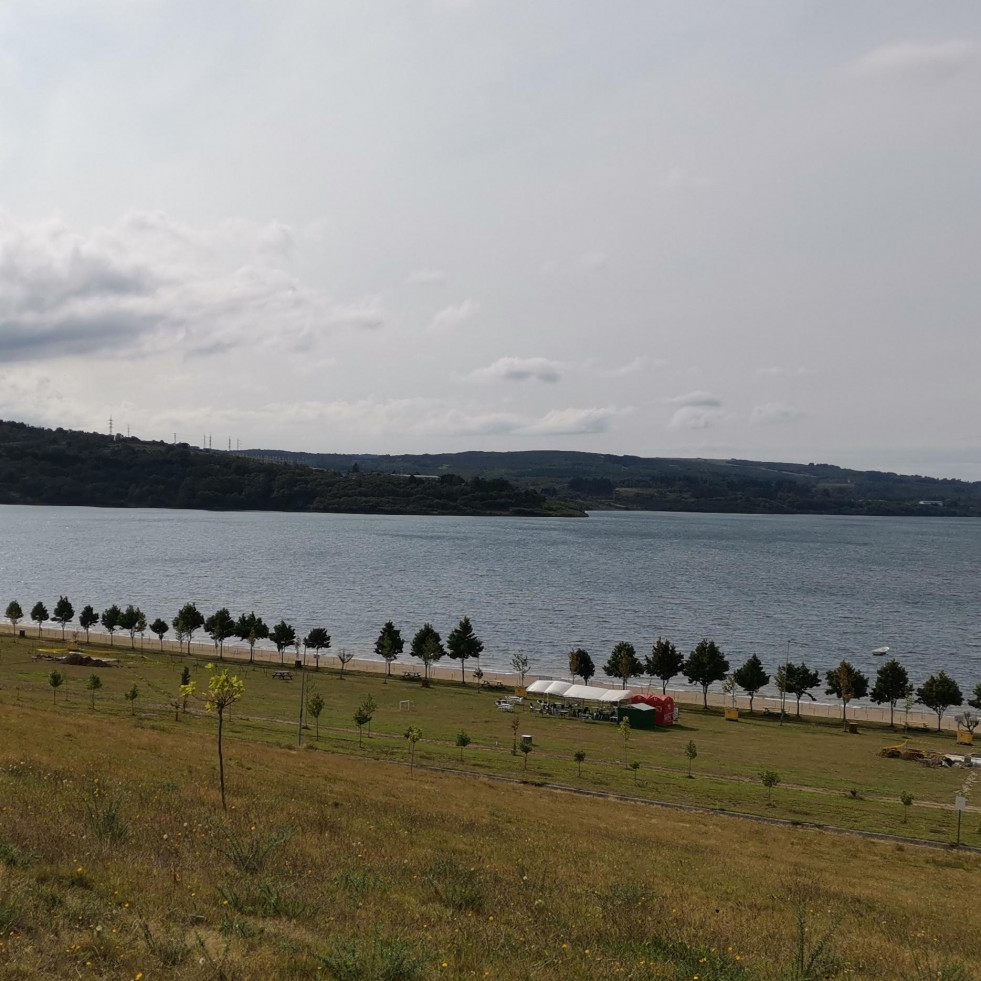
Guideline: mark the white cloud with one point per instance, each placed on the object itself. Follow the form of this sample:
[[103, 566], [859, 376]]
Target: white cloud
[[453, 317], [696, 398], [147, 284], [634, 366], [521, 369], [420, 277], [571, 422], [774, 413], [695, 417], [918, 58]]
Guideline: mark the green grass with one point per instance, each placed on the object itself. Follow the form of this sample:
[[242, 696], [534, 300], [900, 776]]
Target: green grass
[[116, 858]]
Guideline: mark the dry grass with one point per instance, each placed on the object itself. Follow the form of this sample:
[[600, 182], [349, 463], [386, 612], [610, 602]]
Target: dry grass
[[116, 859]]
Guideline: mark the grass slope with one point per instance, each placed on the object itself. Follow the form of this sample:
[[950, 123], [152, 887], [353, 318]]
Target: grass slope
[[116, 860]]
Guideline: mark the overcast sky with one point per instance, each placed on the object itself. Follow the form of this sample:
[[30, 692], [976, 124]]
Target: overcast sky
[[730, 229]]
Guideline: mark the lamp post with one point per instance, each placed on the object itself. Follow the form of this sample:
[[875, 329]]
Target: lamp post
[[303, 691]]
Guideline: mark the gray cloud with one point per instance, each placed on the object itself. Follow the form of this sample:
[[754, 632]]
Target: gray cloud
[[696, 398], [774, 413], [521, 369], [931, 59], [695, 417], [452, 317], [146, 285]]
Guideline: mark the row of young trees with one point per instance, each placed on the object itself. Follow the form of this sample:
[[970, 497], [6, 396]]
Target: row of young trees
[[427, 645], [706, 665]]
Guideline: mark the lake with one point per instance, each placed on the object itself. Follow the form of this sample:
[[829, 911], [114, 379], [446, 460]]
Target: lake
[[827, 586]]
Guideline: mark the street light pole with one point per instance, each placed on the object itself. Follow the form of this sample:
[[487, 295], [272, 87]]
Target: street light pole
[[303, 689]]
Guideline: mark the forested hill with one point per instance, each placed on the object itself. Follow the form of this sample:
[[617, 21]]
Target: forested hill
[[43, 466], [598, 481]]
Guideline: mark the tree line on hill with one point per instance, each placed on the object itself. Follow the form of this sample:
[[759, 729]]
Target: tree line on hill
[[604, 480], [64, 467], [706, 665]]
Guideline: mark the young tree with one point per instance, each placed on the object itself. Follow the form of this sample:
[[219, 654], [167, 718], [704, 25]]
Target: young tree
[[131, 696], [939, 692], [389, 645], [282, 635], [251, 629], [319, 640], [220, 626], [799, 678], [63, 613], [364, 714], [891, 684], [344, 658], [463, 644], [413, 734], [580, 663], [186, 690], [520, 665], [705, 665], [663, 662], [315, 706], [39, 614], [14, 614], [906, 799], [462, 741], [189, 618], [141, 625], [770, 779], [93, 685], [623, 663], [579, 756], [427, 646], [56, 679], [129, 621], [691, 751], [846, 682], [110, 620], [526, 748], [976, 701], [223, 690], [87, 619], [635, 766], [751, 677], [185, 675], [624, 729], [160, 627]]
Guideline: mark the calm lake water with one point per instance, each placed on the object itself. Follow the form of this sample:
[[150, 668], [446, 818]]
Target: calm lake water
[[842, 586]]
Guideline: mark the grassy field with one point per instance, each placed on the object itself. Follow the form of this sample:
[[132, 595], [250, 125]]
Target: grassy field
[[337, 860]]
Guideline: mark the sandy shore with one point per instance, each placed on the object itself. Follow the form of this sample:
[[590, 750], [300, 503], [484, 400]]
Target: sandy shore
[[687, 696]]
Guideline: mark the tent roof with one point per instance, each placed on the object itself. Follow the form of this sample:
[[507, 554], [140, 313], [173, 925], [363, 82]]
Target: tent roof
[[536, 687], [615, 695], [558, 688], [584, 692]]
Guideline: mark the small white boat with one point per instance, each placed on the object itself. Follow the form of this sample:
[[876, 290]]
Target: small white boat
[[879, 651]]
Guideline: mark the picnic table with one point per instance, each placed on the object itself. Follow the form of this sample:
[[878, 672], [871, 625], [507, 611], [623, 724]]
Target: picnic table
[[283, 675]]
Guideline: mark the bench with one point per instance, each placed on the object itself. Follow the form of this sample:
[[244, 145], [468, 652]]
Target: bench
[[283, 675]]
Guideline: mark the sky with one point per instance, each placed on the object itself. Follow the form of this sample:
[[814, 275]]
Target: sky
[[721, 229]]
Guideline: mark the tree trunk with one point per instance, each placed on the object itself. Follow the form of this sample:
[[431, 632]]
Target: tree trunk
[[221, 763]]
